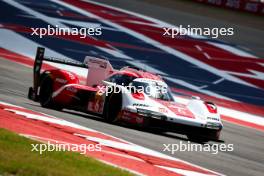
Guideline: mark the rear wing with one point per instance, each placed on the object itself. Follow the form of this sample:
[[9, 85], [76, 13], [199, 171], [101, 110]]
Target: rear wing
[[33, 91], [98, 70]]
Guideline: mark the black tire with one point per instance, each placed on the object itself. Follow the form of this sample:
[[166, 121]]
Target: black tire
[[112, 107], [211, 135], [199, 139], [145, 124], [45, 93]]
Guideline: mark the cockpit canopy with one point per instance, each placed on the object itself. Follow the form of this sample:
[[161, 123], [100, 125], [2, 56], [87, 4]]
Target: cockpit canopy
[[153, 88]]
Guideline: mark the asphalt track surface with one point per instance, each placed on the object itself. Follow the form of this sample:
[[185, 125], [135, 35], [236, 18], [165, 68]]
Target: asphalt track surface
[[248, 28], [246, 159]]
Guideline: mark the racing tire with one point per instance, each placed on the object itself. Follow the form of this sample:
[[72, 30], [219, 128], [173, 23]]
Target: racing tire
[[212, 135], [198, 139], [45, 94], [113, 107], [145, 124]]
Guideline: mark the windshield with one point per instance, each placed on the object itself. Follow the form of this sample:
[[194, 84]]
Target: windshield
[[154, 89]]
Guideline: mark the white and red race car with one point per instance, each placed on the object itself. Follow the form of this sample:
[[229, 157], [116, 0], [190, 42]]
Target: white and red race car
[[128, 95]]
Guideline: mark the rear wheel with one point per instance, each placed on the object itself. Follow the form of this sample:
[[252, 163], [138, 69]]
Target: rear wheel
[[45, 94]]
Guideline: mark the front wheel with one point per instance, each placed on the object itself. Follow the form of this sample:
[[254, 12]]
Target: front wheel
[[210, 135], [113, 107], [199, 139]]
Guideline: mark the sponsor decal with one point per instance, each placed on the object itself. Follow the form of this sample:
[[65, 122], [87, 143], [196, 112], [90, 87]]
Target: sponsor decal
[[60, 80], [72, 89]]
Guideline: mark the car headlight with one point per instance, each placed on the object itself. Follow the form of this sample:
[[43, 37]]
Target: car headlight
[[143, 112], [215, 126], [149, 113]]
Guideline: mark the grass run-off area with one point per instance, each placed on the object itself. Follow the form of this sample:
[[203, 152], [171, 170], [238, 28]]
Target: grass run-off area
[[17, 159]]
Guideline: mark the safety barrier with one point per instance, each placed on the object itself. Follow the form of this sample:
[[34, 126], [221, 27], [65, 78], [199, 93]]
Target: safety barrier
[[252, 6]]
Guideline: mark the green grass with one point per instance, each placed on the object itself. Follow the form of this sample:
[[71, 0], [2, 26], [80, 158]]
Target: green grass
[[16, 158]]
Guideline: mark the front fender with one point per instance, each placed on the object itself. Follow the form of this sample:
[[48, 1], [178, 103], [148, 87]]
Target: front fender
[[199, 108]]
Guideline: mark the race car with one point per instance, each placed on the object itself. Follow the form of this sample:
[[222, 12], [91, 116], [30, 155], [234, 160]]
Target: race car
[[129, 95]]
